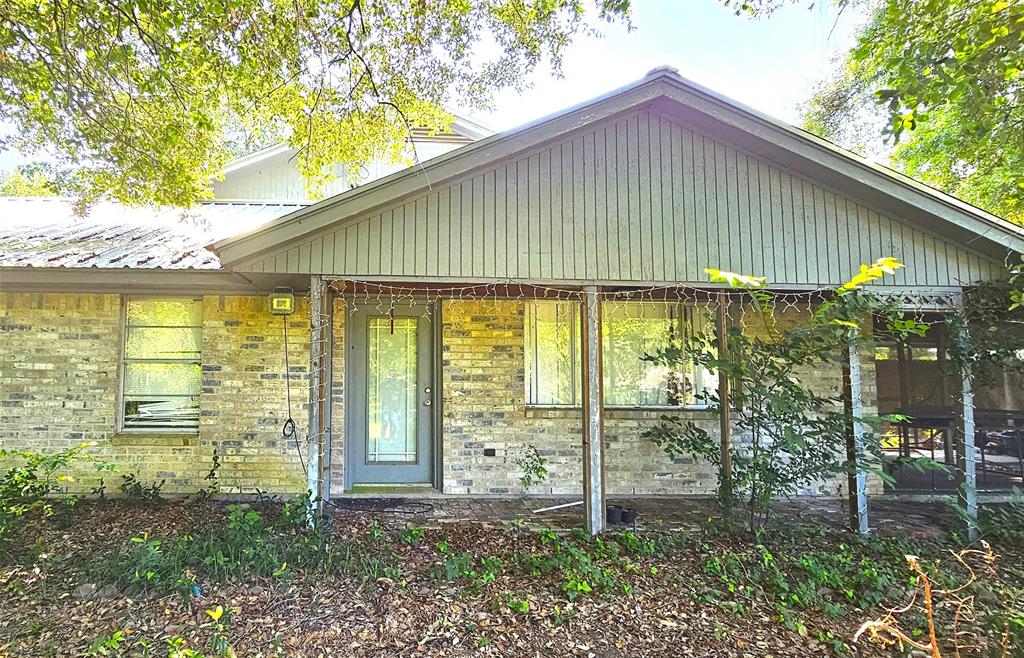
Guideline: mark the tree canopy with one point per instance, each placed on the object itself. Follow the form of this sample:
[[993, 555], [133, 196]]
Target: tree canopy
[[942, 81], [146, 98]]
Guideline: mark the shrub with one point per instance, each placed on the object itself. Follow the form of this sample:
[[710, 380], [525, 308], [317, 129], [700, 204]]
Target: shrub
[[138, 493], [26, 487]]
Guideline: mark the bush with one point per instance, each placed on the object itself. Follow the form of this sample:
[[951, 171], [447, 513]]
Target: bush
[[26, 488], [1005, 521]]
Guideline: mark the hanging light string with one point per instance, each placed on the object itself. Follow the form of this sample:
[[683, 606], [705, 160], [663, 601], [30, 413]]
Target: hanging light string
[[386, 298]]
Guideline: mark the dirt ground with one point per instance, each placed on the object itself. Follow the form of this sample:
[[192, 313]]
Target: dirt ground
[[56, 605]]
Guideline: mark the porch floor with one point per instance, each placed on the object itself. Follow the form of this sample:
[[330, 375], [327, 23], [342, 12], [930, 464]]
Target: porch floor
[[888, 515]]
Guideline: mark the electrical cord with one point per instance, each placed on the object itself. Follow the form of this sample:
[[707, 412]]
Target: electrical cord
[[288, 430]]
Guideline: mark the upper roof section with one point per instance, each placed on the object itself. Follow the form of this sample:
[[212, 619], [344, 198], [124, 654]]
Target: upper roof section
[[47, 233], [673, 167], [272, 174]]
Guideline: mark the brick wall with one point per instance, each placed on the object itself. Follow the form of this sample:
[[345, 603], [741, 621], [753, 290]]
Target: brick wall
[[59, 363], [244, 400], [485, 409]]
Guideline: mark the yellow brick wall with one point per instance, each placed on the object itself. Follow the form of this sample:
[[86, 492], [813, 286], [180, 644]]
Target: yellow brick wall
[[484, 398], [483, 375], [59, 364]]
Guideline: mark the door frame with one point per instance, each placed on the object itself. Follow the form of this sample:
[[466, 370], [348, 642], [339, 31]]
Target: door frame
[[433, 313]]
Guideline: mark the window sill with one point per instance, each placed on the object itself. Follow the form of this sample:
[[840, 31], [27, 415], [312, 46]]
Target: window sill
[[562, 411], [618, 407], [163, 439]]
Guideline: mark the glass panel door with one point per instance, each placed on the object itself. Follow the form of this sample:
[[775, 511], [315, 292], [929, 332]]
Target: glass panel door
[[391, 390], [389, 397]]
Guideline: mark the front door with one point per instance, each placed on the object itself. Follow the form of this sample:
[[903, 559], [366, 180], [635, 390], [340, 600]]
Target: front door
[[390, 397]]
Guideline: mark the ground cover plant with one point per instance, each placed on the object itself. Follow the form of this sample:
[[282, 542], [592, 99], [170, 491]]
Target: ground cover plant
[[204, 578]]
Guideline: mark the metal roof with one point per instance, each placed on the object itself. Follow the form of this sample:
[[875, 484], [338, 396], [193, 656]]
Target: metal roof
[[47, 232]]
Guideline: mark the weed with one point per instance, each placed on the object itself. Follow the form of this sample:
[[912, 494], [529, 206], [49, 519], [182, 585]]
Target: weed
[[411, 535], [516, 604], [138, 493], [212, 487], [108, 645], [533, 466], [27, 488]]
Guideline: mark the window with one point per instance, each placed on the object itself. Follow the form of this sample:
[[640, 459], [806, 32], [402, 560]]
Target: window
[[633, 329], [630, 330], [161, 374], [552, 353]]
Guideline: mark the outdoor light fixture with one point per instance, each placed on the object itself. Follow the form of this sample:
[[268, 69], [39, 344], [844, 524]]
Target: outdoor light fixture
[[282, 302]]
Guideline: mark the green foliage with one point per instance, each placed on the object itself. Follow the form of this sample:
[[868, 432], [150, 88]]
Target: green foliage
[[26, 486], [23, 182], [411, 535], [340, 81], [134, 643], [533, 466], [943, 79], [247, 545], [516, 604], [138, 493], [797, 433], [1004, 522]]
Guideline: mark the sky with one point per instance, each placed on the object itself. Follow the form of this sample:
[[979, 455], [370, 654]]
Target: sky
[[771, 63]]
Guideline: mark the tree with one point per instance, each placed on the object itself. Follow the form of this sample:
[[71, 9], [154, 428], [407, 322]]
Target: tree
[[942, 80], [796, 430], [142, 94], [37, 179]]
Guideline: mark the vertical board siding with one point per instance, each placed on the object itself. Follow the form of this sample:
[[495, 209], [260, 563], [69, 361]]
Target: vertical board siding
[[640, 198]]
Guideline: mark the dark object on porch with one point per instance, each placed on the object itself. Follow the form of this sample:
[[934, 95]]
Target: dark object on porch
[[614, 514], [629, 516]]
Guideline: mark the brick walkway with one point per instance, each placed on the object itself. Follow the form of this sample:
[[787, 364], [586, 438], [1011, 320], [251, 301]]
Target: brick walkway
[[887, 515]]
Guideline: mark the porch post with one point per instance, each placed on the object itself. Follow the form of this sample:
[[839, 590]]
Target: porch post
[[859, 482], [969, 492], [725, 426], [318, 449], [593, 413]]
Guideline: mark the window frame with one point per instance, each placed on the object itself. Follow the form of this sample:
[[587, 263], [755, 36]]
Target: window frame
[[578, 405], [122, 370]]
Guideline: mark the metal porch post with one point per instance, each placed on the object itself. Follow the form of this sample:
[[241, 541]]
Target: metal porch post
[[859, 495], [318, 450], [725, 422], [969, 492], [593, 412]]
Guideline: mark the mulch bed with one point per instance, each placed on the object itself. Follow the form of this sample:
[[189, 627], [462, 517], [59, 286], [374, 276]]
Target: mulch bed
[[416, 614]]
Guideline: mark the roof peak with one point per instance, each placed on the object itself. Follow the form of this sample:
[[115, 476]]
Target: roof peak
[[663, 69]]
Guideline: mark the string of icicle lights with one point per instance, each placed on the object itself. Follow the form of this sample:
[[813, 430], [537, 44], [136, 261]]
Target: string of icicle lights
[[388, 298]]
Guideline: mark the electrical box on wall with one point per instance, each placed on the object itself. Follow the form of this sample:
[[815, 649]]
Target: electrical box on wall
[[282, 303]]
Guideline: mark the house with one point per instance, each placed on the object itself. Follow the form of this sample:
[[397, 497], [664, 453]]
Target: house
[[450, 315]]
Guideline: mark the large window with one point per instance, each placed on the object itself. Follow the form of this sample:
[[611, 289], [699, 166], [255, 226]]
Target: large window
[[161, 373], [630, 331]]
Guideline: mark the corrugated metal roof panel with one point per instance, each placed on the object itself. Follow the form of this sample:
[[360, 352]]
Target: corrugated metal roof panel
[[46, 232]]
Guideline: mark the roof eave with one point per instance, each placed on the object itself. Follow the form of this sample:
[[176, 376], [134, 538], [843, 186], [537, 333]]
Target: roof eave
[[765, 136]]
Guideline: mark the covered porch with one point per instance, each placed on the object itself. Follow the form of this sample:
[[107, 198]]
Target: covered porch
[[479, 387]]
